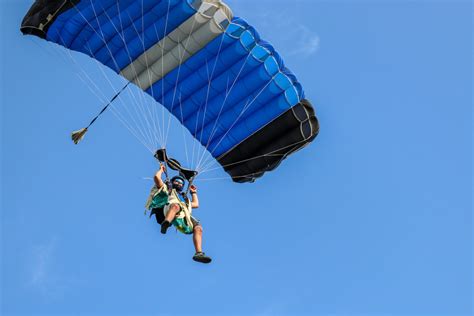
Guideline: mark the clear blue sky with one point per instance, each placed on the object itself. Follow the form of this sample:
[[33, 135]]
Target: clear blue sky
[[373, 218]]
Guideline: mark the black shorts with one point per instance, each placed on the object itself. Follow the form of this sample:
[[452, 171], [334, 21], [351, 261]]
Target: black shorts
[[160, 216]]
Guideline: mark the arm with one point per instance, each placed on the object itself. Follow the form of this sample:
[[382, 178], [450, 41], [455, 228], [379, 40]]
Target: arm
[[158, 182], [194, 197]]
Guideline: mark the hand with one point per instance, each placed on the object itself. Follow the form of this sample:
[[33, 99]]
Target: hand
[[162, 168], [193, 189]]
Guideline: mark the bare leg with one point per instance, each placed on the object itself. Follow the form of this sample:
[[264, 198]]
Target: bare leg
[[197, 238], [173, 210]]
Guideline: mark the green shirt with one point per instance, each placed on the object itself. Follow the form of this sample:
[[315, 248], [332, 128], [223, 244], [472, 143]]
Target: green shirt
[[159, 200]]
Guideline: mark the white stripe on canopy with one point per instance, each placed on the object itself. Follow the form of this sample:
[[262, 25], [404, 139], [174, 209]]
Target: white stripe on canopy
[[210, 20]]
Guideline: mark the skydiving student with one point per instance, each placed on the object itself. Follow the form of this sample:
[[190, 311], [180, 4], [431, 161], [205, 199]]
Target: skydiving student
[[171, 206]]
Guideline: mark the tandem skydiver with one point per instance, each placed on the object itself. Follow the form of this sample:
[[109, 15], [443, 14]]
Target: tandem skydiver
[[171, 206]]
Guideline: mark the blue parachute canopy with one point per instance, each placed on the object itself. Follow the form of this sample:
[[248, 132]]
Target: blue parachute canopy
[[211, 70]]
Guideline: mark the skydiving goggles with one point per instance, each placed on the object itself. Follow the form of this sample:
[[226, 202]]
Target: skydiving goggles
[[180, 181]]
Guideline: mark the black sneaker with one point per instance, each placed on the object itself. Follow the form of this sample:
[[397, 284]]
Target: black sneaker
[[164, 226], [201, 257]]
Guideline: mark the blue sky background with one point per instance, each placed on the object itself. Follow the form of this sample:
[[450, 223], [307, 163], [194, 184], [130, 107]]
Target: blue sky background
[[373, 218]]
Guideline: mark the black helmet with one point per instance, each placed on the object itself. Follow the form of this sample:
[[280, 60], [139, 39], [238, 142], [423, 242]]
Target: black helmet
[[179, 179]]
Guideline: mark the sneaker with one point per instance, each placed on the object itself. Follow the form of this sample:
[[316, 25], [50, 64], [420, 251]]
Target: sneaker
[[164, 226], [201, 257]]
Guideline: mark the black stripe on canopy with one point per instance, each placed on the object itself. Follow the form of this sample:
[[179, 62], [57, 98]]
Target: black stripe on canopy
[[268, 147]]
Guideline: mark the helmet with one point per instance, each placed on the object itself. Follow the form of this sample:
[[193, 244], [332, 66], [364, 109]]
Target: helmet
[[180, 180]]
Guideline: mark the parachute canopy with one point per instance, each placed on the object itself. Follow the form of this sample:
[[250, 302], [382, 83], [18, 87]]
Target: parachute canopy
[[211, 70]]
